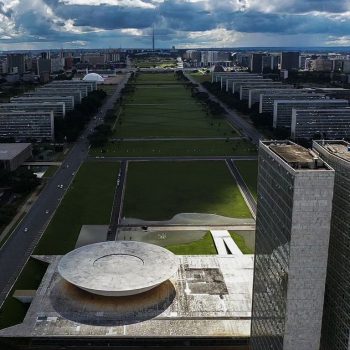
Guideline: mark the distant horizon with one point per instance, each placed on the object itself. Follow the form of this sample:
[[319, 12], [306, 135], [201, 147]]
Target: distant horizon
[[233, 48]]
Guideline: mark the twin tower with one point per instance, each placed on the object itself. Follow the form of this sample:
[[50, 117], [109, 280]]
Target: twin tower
[[301, 294]]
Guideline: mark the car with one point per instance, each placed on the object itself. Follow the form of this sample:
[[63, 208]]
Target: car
[[73, 173], [26, 229], [46, 211]]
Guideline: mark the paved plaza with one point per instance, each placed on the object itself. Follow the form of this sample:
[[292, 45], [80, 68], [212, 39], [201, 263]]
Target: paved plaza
[[208, 296]]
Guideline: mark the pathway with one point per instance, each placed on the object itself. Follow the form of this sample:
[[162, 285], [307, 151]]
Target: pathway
[[224, 243]]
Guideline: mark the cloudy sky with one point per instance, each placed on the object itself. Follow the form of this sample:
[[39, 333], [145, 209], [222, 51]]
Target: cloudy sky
[[27, 24]]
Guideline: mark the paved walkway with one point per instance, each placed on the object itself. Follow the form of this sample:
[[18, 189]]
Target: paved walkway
[[42, 163], [224, 243], [176, 138]]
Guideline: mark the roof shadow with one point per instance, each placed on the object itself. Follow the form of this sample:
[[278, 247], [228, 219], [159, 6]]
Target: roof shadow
[[77, 305]]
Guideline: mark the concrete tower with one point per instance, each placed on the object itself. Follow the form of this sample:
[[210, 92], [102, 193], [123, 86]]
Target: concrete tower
[[295, 191]]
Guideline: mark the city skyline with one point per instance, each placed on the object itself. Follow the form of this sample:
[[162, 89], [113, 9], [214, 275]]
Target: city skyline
[[122, 23]]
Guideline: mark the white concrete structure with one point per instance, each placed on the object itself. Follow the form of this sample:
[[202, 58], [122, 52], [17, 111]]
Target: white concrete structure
[[93, 77], [118, 268]]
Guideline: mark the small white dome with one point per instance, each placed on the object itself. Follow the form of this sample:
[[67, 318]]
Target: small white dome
[[93, 77]]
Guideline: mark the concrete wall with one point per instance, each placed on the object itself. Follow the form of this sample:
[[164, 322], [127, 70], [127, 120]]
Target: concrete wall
[[313, 194]]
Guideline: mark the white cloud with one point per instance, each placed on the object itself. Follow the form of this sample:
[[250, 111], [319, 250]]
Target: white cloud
[[338, 41], [132, 31], [126, 3], [219, 37]]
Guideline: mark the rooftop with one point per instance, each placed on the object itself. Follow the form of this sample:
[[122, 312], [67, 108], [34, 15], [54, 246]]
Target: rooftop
[[10, 150], [296, 156], [340, 149], [208, 296], [118, 268]]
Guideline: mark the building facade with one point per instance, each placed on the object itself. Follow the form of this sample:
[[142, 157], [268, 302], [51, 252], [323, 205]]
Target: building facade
[[331, 124], [282, 109], [336, 320], [23, 126], [58, 108], [12, 155], [267, 100], [67, 100], [290, 60], [295, 191], [16, 63]]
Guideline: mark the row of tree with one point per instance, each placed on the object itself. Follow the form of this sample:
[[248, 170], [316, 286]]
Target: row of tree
[[17, 183], [69, 128]]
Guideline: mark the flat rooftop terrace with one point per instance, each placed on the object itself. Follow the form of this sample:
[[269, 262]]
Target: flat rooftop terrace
[[210, 296], [9, 151], [339, 149], [297, 156]]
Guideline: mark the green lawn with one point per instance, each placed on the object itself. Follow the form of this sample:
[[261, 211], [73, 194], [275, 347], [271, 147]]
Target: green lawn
[[249, 172], [13, 311], [204, 246], [201, 78], [175, 148], [186, 119], [164, 107], [51, 171], [87, 202], [239, 240], [160, 190]]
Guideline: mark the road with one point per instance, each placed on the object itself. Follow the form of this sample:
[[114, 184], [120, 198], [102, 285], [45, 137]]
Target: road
[[243, 126], [16, 251], [170, 158], [177, 139], [118, 202]]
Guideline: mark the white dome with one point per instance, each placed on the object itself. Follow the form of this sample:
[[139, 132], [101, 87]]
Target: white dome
[[93, 77]]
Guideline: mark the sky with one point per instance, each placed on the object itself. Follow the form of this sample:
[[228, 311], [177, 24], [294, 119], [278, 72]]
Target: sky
[[36, 24]]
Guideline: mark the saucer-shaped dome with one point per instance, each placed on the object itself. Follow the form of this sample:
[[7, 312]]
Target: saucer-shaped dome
[[93, 77], [118, 268]]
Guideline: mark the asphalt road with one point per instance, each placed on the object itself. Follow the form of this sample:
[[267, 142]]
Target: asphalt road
[[21, 244], [170, 158], [243, 126]]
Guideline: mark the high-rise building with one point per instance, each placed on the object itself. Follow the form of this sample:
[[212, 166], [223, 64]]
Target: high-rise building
[[43, 65], [16, 63], [295, 191], [336, 319], [290, 60], [256, 63]]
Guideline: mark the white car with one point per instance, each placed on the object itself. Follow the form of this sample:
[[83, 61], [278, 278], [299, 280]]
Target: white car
[[26, 229]]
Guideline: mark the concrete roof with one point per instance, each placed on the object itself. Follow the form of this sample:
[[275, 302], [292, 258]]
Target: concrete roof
[[10, 150], [208, 296], [118, 268], [339, 149]]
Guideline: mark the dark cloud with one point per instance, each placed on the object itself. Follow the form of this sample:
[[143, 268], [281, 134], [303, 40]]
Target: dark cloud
[[173, 18]]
